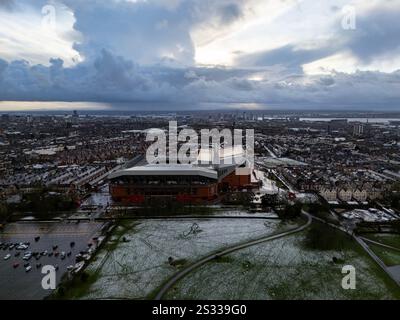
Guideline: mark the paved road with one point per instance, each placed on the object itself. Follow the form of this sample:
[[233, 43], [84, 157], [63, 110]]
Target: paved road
[[181, 274], [271, 153], [283, 180], [377, 259], [380, 244]]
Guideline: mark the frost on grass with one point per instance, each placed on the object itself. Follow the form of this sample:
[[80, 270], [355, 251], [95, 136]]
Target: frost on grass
[[284, 269], [138, 261]]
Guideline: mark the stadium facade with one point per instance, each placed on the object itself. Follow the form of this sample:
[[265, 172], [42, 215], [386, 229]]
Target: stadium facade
[[140, 182]]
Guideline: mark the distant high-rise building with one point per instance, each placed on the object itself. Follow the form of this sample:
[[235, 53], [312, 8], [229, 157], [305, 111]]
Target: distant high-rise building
[[358, 129]]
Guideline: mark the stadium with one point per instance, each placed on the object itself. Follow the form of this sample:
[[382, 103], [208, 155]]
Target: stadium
[[140, 182]]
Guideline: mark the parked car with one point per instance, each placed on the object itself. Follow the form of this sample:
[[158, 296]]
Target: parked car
[[22, 246], [27, 256]]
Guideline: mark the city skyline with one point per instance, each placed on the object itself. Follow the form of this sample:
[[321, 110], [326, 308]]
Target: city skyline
[[198, 150]]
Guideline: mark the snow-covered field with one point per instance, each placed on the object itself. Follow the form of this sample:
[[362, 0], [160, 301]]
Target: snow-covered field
[[136, 267], [142, 255], [284, 269]]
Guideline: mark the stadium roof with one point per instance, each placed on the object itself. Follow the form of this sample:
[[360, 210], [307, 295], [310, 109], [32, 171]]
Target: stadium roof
[[166, 170], [229, 160]]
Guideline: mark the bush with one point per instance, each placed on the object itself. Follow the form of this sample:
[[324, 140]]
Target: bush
[[3, 211], [290, 211], [43, 202]]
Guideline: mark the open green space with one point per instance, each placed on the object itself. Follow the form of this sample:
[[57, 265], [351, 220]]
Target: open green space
[[307, 265]]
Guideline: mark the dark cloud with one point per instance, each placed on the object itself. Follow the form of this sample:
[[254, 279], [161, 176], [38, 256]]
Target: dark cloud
[[230, 13], [7, 4], [288, 56], [377, 33], [327, 81], [110, 78], [143, 51], [139, 31], [3, 66], [148, 31]]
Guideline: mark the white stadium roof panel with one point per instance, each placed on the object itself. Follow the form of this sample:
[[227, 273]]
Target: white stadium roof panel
[[166, 170]]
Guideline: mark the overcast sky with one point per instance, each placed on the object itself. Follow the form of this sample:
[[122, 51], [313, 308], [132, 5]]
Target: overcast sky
[[285, 52]]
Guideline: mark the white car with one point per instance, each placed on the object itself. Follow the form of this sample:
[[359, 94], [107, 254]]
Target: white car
[[7, 257], [27, 256], [28, 268], [22, 247]]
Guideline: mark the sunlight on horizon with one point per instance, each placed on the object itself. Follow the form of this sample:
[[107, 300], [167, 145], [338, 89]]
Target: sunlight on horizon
[[15, 106]]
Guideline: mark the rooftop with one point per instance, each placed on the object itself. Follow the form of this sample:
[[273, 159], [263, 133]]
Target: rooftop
[[167, 170]]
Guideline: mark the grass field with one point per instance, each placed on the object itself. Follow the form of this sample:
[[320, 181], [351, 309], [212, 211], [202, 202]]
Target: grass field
[[297, 267], [154, 250], [142, 255]]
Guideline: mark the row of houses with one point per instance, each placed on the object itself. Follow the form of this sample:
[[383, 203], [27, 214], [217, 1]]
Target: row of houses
[[347, 195]]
